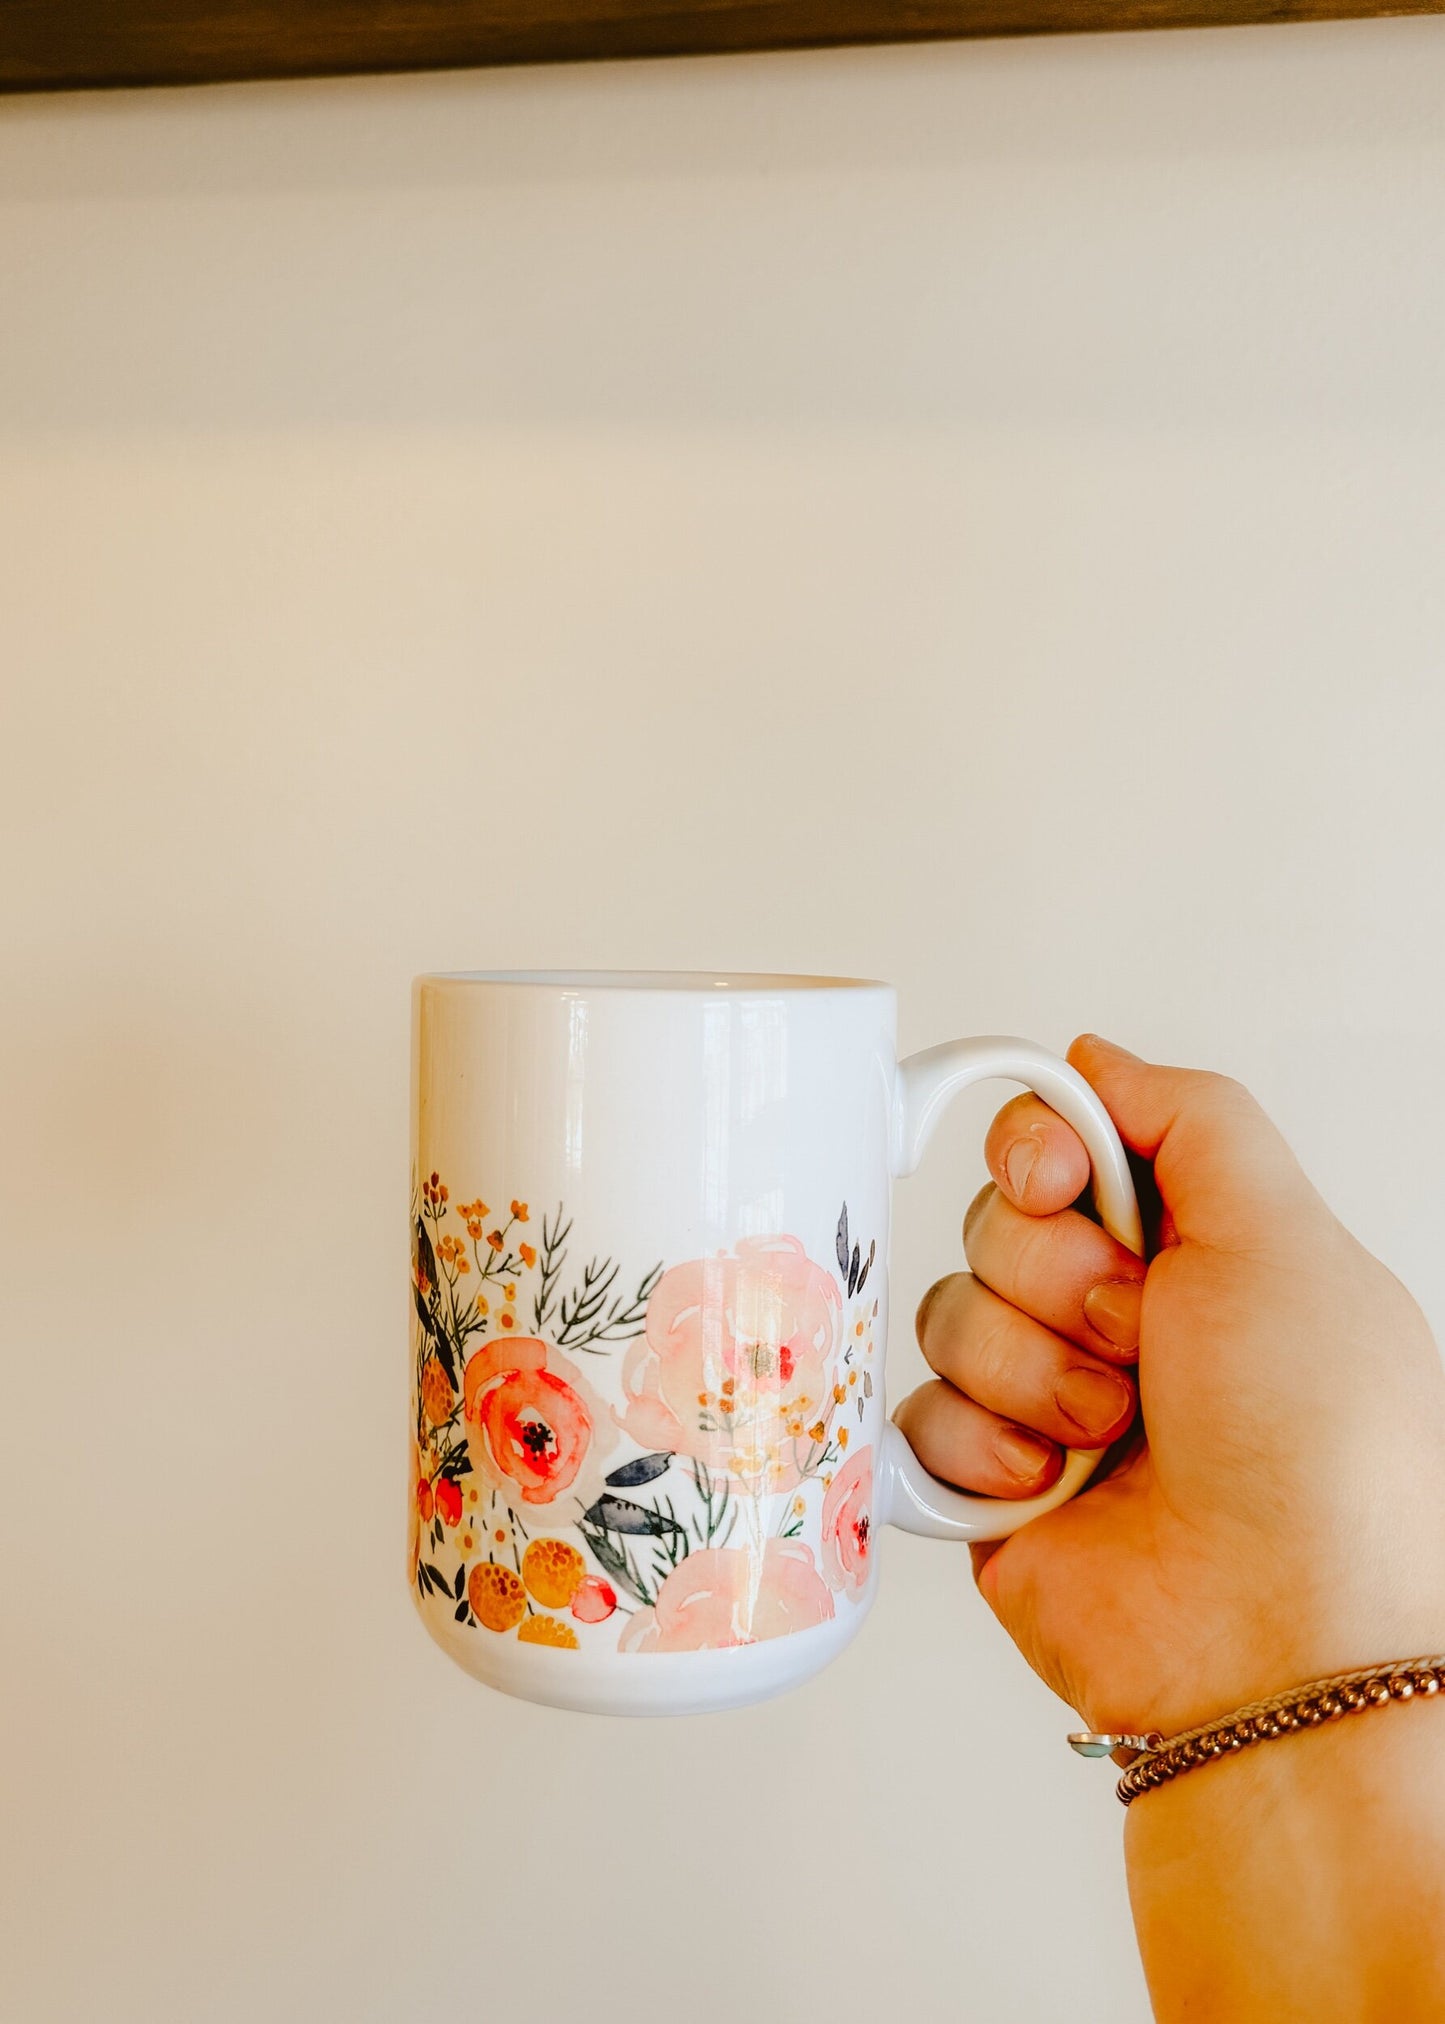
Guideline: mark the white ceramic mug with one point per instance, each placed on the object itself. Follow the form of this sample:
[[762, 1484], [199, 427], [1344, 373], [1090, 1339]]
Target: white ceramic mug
[[650, 1456]]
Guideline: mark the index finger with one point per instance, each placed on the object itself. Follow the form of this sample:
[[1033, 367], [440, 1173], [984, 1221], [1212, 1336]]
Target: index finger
[[1037, 1160]]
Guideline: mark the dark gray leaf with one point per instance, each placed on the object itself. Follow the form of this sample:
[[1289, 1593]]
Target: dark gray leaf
[[462, 1611], [461, 1581], [867, 1265], [615, 1514], [843, 1241], [853, 1270], [426, 1263], [632, 1475]]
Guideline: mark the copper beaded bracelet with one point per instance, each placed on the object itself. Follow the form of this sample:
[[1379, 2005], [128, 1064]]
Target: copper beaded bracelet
[[1158, 1760]]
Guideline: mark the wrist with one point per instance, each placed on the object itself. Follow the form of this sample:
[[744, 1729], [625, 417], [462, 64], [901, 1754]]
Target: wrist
[[1304, 1878]]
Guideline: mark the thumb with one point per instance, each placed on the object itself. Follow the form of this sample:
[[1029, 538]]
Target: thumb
[[1223, 1171]]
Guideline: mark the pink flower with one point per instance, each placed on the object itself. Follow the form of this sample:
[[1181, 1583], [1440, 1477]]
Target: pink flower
[[848, 1523], [730, 1595], [734, 1367], [530, 1422]]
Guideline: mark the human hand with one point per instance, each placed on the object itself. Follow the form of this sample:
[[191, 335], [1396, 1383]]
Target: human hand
[[1280, 1515]]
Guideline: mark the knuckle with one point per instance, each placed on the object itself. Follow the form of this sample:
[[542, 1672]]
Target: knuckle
[[974, 1212], [989, 1359], [939, 1290]]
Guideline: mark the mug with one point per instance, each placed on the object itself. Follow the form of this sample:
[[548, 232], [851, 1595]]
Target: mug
[[650, 1458]]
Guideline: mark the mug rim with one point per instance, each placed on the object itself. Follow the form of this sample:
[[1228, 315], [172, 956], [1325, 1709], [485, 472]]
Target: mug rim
[[688, 983]]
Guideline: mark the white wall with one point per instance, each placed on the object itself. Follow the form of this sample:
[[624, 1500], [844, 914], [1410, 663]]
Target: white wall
[[971, 515]]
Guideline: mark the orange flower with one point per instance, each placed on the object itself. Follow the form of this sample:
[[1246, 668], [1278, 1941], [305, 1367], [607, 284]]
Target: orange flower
[[839, 1394], [553, 1571], [474, 1228], [519, 1210], [424, 1499], [496, 1595], [509, 1291], [494, 1238], [528, 1254], [508, 1320], [842, 1437], [818, 1432], [528, 1425], [548, 1630]]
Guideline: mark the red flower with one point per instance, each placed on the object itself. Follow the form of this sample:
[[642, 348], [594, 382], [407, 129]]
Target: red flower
[[423, 1499], [448, 1500]]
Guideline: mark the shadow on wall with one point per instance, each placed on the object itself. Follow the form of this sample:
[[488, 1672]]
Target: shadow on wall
[[1047, 233]]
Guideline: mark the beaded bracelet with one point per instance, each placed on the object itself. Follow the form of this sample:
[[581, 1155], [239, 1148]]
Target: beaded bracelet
[[1158, 1760]]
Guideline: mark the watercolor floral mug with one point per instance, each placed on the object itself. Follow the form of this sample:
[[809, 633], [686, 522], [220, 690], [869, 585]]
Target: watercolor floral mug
[[649, 1455]]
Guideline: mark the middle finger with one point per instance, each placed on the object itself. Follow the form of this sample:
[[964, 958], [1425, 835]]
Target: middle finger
[[1016, 1367], [1062, 1269]]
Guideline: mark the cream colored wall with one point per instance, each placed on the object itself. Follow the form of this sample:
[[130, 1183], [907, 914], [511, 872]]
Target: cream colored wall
[[972, 515]]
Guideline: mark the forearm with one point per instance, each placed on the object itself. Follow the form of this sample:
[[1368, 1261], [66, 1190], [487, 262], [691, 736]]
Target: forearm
[[1302, 1882]]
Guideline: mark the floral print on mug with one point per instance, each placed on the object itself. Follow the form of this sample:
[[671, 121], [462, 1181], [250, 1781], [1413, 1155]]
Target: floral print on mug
[[662, 1465]]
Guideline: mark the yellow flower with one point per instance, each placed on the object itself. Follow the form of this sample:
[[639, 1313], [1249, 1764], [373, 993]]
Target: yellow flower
[[437, 1396], [510, 1289], [799, 1507], [852, 1377], [842, 1437], [548, 1630], [468, 1541], [553, 1571], [496, 1594]]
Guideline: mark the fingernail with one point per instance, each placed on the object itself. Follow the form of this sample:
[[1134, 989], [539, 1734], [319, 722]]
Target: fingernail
[[1093, 1399], [1019, 1163], [1113, 1307], [1023, 1454]]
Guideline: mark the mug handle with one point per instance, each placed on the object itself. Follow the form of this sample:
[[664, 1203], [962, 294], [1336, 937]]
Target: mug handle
[[926, 1084]]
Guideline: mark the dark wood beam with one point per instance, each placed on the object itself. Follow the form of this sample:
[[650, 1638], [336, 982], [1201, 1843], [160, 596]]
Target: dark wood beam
[[61, 45]]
